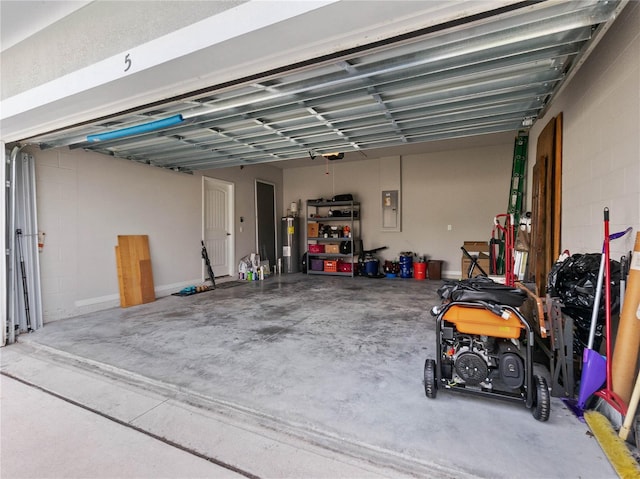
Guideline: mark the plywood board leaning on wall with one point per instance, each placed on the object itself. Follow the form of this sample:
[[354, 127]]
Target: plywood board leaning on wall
[[135, 276]]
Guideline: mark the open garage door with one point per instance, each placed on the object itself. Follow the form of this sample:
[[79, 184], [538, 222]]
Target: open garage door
[[472, 74], [22, 303]]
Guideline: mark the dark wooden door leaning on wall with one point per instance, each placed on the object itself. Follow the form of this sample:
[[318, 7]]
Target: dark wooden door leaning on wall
[[546, 201]]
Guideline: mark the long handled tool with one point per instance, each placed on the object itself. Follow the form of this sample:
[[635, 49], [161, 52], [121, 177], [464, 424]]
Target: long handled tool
[[594, 367], [23, 270], [631, 413], [607, 394], [509, 244], [205, 257], [623, 279]]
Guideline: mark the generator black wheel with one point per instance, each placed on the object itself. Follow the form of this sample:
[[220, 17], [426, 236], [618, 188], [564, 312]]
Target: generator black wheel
[[541, 399], [430, 385]]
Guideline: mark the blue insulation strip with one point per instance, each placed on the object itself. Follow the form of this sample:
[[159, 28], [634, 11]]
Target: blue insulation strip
[[135, 130]]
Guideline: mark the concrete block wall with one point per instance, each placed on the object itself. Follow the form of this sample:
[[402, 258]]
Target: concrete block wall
[[57, 200], [464, 188], [601, 140], [85, 200]]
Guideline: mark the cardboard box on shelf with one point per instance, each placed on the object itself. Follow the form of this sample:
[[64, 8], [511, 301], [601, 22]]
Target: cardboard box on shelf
[[332, 248], [312, 230]]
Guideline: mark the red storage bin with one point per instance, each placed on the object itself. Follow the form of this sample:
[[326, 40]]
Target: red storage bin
[[345, 267], [316, 248]]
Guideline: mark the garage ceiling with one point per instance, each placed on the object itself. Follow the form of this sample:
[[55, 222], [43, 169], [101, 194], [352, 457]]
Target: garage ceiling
[[485, 74]]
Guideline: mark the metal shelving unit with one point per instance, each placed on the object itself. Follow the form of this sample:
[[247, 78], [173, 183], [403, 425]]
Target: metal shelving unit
[[318, 212]]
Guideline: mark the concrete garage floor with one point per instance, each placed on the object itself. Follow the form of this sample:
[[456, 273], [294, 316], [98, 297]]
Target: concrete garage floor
[[336, 363]]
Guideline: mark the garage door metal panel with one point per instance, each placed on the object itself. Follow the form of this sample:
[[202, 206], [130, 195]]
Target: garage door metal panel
[[491, 75]]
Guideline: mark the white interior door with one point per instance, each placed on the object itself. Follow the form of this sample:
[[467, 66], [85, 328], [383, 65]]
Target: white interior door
[[218, 231]]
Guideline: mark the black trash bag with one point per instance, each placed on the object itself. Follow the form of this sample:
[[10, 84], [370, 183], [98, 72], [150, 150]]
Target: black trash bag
[[579, 270], [575, 280], [581, 341], [482, 289], [582, 324], [581, 318]]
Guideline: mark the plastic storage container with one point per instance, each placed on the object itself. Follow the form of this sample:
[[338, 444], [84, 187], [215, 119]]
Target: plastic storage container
[[331, 266], [345, 267], [316, 248], [420, 270], [406, 263]]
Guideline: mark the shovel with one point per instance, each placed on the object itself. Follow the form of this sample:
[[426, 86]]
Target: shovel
[[594, 365]]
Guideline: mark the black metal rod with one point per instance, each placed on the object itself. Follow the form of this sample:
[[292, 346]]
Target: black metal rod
[[25, 290]]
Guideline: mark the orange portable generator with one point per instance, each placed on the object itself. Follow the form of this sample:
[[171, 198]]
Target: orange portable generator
[[486, 348]]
